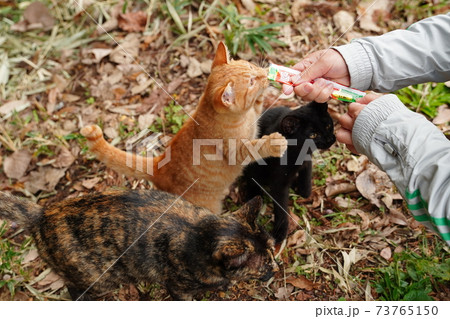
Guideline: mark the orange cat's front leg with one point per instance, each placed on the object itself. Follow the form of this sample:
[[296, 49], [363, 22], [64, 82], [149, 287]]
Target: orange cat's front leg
[[273, 145]]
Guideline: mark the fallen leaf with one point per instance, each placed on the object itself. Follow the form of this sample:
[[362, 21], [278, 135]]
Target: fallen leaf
[[45, 178], [49, 279], [113, 22], [298, 239], [132, 21], [194, 68], [146, 120], [16, 165], [8, 108], [36, 16], [90, 183], [341, 188], [127, 50], [64, 159], [353, 165], [386, 253], [443, 115], [369, 10], [365, 220], [396, 217], [344, 21], [283, 293], [4, 68], [30, 256], [94, 56], [301, 282], [375, 185]]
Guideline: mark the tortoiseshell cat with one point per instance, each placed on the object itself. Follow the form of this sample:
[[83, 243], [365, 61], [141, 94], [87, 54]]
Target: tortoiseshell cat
[[120, 237], [226, 114], [306, 128]]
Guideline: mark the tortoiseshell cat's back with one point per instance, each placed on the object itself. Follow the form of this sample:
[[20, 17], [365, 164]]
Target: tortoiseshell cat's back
[[226, 116], [98, 241]]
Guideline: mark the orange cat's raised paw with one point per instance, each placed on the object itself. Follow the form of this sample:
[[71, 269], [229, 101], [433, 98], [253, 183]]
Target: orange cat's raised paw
[[276, 145], [92, 132]]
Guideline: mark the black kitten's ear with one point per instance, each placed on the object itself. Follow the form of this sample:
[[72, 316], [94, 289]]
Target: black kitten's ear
[[247, 214], [221, 55], [233, 253], [289, 124], [323, 107]]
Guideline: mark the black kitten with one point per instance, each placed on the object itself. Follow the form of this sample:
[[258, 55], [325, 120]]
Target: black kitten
[[306, 129]]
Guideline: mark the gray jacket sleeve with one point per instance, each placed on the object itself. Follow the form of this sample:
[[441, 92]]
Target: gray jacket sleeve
[[400, 58], [414, 153]]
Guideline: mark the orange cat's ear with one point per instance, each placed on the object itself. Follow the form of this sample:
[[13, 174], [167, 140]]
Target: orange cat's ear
[[221, 55], [228, 95]]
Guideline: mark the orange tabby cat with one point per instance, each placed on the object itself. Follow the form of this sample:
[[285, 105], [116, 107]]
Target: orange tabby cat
[[225, 117]]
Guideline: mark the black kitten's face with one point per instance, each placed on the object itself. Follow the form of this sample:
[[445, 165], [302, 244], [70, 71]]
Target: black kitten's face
[[310, 122]]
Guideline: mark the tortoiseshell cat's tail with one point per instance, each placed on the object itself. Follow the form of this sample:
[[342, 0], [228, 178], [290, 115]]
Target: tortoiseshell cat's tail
[[122, 162], [20, 210]]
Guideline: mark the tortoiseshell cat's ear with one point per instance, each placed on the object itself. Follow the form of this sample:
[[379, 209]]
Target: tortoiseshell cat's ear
[[221, 55], [248, 213], [233, 253], [289, 124]]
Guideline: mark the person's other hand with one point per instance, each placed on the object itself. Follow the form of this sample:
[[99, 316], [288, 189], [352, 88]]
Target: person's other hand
[[347, 120]]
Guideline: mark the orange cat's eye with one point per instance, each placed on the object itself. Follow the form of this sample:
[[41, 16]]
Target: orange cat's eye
[[252, 81], [313, 135]]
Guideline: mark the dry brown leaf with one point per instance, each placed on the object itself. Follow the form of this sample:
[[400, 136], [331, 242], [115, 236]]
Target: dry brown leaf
[[45, 178], [375, 185], [128, 292], [353, 165], [443, 115], [132, 21], [341, 188], [297, 239], [301, 282], [344, 21], [113, 22], [64, 159], [94, 56], [35, 16], [13, 106], [49, 279], [396, 217], [365, 220], [194, 68], [283, 293], [90, 183], [16, 165], [30, 256], [51, 282], [52, 99], [386, 253], [127, 51], [370, 10]]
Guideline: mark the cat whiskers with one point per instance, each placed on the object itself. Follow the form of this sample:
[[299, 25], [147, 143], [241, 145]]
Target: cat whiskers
[[136, 240]]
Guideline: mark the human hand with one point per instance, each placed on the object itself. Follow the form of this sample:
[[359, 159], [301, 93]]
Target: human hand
[[347, 120], [327, 64]]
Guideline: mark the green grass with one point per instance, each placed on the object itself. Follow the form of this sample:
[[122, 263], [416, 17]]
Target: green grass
[[12, 272], [238, 36], [412, 276], [425, 98], [173, 119]]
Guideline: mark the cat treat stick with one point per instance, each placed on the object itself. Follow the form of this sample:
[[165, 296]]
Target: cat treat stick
[[341, 92]]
